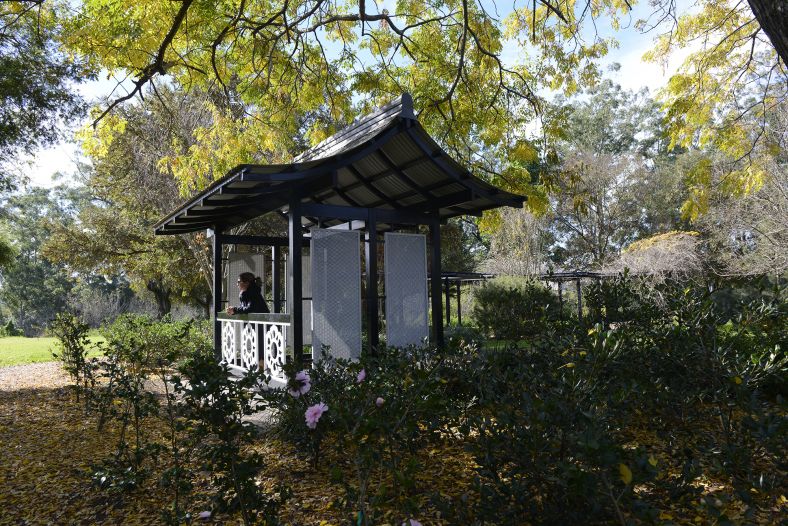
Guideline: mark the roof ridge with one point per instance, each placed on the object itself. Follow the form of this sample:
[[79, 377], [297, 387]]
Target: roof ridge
[[402, 106]]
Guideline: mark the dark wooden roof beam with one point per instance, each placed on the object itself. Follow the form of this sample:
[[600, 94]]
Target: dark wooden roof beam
[[349, 200], [362, 214], [444, 201], [366, 183], [370, 179], [464, 176], [402, 175], [174, 231], [411, 193], [234, 190], [190, 226], [196, 213]]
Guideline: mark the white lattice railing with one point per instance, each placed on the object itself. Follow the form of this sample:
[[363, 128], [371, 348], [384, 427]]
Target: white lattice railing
[[241, 338]]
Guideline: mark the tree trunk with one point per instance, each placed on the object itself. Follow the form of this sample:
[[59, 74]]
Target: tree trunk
[[772, 15], [205, 303], [162, 295]]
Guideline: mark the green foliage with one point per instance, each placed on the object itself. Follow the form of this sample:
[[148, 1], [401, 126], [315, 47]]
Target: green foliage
[[668, 389], [137, 349], [561, 428], [129, 194], [119, 394], [142, 343], [609, 176], [544, 451], [9, 329], [381, 412], [36, 80], [516, 309], [730, 61], [215, 404], [283, 76], [617, 299], [203, 414], [72, 347], [34, 289], [7, 252]]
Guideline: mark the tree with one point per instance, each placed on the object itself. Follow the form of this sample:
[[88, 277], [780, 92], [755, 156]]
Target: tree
[[518, 247], [130, 192], [595, 210], [305, 68], [34, 289], [610, 179], [749, 233], [725, 90], [36, 77], [459, 246]]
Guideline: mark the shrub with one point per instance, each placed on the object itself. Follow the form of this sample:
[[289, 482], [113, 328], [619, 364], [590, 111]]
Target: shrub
[[142, 342], [72, 348], [203, 414], [215, 404], [514, 310], [380, 412], [137, 348], [560, 431], [9, 329], [621, 299]]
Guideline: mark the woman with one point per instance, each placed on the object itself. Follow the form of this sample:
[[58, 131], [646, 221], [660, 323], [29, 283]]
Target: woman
[[250, 297]]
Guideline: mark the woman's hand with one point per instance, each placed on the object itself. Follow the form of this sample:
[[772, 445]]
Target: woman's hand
[[230, 310]]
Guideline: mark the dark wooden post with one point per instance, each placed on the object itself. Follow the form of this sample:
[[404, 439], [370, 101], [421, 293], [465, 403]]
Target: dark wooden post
[[435, 284], [561, 300], [371, 260], [294, 272], [579, 302], [447, 292], [603, 312], [217, 294], [459, 303], [276, 278]]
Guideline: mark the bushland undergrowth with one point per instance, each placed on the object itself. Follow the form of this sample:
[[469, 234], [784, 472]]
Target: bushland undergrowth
[[670, 407]]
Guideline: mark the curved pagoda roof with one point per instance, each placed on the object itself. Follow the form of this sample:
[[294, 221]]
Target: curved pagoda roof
[[384, 160]]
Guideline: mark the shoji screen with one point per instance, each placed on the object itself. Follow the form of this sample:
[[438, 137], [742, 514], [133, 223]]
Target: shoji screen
[[406, 289], [336, 293]]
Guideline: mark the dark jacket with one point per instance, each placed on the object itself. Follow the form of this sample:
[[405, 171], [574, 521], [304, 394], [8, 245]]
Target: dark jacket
[[251, 301]]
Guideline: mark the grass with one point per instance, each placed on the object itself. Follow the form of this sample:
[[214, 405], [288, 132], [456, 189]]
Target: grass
[[18, 350]]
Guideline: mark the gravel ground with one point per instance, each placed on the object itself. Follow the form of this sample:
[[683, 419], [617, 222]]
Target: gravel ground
[[51, 375], [32, 375]]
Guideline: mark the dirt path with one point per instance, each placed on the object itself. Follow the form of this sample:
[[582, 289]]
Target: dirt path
[[32, 375]]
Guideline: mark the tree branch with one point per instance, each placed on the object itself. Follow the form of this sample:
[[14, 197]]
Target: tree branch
[[154, 68]]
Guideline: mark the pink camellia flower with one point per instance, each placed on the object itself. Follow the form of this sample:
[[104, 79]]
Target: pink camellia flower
[[411, 522], [313, 414], [380, 401], [304, 384], [362, 375]]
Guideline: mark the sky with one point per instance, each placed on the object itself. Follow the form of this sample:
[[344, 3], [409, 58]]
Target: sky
[[634, 74]]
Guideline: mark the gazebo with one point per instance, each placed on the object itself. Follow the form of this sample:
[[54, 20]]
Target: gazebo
[[375, 182]]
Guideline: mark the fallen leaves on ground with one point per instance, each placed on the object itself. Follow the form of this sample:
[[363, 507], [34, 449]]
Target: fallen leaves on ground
[[49, 445]]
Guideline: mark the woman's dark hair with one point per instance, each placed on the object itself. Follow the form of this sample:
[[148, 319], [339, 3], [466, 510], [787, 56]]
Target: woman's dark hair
[[248, 277]]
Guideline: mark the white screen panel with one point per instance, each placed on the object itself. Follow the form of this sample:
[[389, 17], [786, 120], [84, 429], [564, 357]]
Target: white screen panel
[[406, 289], [336, 293]]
